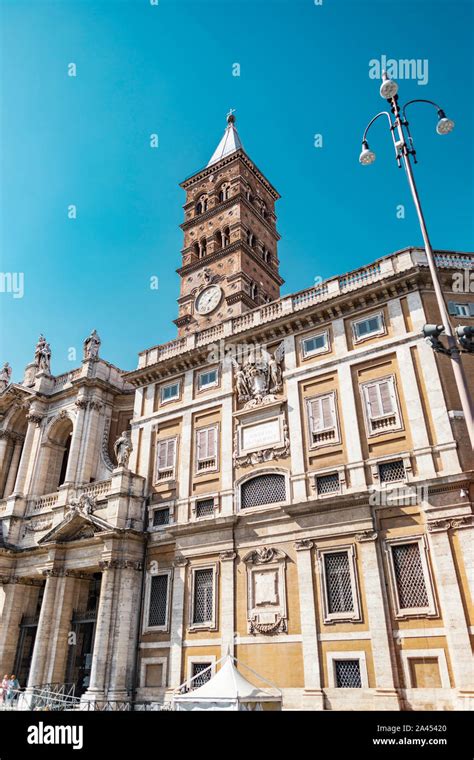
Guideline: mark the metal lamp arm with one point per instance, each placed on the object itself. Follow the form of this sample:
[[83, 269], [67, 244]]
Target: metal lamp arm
[[391, 127], [420, 100]]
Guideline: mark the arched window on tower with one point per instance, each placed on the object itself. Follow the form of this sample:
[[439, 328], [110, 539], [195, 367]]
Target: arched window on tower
[[266, 255], [225, 237], [218, 239], [224, 192], [250, 238], [263, 210], [202, 248], [201, 205], [196, 249], [253, 291]]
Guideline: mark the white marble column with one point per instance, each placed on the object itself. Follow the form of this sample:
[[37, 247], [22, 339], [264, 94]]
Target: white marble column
[[37, 675], [58, 645], [177, 623], [313, 696], [295, 427], [76, 441], [227, 593], [227, 465], [378, 622], [26, 464], [103, 645], [13, 468], [452, 609], [4, 461], [184, 465], [14, 607]]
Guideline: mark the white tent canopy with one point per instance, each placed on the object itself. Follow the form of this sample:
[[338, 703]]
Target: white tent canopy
[[227, 690]]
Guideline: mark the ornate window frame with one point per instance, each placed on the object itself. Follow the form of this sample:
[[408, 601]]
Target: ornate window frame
[[208, 625], [171, 471], [340, 470], [332, 657], [371, 432], [202, 497], [210, 386], [174, 399], [215, 467], [273, 560], [157, 508], [326, 349], [262, 507], [332, 395], [146, 628], [350, 616], [410, 612]]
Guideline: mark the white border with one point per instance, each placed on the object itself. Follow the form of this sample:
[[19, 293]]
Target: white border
[[146, 607], [331, 658], [430, 610], [208, 625], [337, 617]]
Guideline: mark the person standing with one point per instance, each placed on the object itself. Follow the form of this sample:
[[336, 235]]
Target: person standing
[[4, 689], [12, 689]]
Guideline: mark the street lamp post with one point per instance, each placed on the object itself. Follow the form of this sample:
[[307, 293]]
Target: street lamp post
[[404, 148]]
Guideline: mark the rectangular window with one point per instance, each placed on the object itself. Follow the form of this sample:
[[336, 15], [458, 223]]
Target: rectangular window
[[338, 582], [457, 309], [316, 344], [169, 392], [326, 484], [203, 597], [206, 449], [205, 507], [391, 472], [409, 576], [161, 517], [158, 604], [207, 379], [165, 459], [322, 420], [381, 405], [201, 672], [347, 674], [368, 327]]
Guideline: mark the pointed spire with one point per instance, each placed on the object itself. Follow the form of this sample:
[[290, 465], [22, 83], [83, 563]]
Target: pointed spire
[[230, 141]]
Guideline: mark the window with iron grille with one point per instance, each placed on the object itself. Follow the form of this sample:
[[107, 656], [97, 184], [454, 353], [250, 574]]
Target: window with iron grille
[[203, 601], [158, 609], [338, 582], [263, 489], [409, 576], [161, 517], [202, 678], [347, 674], [205, 507], [390, 472], [328, 484]]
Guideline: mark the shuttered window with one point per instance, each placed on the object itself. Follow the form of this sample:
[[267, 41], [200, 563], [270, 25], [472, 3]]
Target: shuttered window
[[322, 420], [381, 405], [165, 458], [206, 449]]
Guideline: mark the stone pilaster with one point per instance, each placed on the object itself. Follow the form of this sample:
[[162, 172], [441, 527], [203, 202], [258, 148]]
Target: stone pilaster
[[295, 427], [4, 461], [227, 594], [452, 610], [313, 698], [13, 468], [103, 644], [227, 482], [92, 439], [76, 441], [25, 467], [14, 607], [378, 621], [124, 632], [352, 436], [58, 645], [177, 623]]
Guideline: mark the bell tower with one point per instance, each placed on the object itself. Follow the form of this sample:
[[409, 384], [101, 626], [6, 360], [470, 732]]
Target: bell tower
[[229, 259]]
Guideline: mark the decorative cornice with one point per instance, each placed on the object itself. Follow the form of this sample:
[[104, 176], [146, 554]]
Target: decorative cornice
[[120, 564], [456, 523], [20, 579], [265, 554]]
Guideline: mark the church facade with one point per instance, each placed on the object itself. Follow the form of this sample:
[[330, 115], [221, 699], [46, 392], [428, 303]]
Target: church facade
[[290, 480]]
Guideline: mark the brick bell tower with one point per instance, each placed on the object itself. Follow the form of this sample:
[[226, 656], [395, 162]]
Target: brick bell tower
[[230, 261]]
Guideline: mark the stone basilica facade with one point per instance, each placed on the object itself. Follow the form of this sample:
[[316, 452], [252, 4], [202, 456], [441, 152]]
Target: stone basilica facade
[[289, 480]]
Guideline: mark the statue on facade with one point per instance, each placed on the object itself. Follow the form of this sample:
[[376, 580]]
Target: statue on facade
[[85, 504], [123, 448], [5, 377], [259, 377], [92, 345], [43, 355]]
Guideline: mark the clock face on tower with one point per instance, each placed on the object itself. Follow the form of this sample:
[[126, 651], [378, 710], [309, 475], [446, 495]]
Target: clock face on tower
[[208, 299]]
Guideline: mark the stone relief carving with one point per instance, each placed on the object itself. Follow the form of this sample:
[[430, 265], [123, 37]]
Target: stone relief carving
[[85, 504], [123, 448], [5, 377], [259, 377], [91, 346], [266, 591], [263, 455]]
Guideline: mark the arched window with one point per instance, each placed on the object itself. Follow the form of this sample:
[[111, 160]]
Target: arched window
[[202, 248], [201, 205], [225, 237], [16, 431], [218, 239], [269, 488], [266, 254], [254, 291], [263, 210], [196, 248], [250, 238], [55, 456], [224, 192]]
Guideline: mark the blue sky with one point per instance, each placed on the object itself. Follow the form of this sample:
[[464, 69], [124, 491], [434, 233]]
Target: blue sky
[[167, 69]]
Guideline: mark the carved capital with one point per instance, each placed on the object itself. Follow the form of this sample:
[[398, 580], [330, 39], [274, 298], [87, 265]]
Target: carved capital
[[54, 572], [439, 526], [227, 556], [35, 418], [303, 544], [366, 536], [180, 561], [81, 403], [463, 522]]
